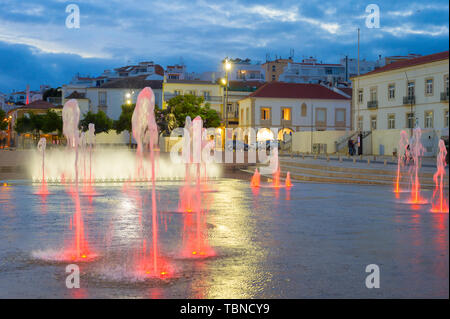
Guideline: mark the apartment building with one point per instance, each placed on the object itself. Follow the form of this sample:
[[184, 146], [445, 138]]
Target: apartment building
[[402, 94], [275, 68]]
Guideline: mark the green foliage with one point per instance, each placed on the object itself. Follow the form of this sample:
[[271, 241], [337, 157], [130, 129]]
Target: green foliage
[[36, 123], [24, 125], [124, 121], [101, 121], [51, 93], [191, 105], [3, 121], [52, 122]]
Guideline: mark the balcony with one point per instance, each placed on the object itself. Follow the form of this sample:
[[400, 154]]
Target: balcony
[[372, 104], [444, 96], [410, 99]]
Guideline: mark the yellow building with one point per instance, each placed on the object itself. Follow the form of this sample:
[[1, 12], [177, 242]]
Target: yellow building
[[213, 93]]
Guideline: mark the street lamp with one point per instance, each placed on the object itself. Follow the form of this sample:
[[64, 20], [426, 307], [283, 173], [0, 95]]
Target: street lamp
[[227, 66]]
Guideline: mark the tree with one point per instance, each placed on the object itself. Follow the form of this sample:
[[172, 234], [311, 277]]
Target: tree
[[124, 121], [101, 121], [191, 105], [3, 120], [24, 125], [52, 122], [51, 93]]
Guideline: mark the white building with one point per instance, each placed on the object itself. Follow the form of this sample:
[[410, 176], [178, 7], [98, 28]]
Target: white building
[[294, 107], [310, 71], [150, 70], [109, 97], [402, 94]]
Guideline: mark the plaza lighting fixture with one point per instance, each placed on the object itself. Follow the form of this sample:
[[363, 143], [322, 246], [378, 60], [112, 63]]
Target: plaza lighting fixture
[[128, 95]]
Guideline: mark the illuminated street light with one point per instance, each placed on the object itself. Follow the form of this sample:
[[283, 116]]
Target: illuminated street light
[[224, 81], [128, 95]]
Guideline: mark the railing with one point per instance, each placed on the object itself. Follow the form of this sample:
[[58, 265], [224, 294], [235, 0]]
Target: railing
[[444, 96], [168, 96], [372, 104], [410, 99]]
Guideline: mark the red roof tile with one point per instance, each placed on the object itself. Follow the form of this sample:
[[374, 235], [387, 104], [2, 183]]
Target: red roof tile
[[296, 91], [410, 62]]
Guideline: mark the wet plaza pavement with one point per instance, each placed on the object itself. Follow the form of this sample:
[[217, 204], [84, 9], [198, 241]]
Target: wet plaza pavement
[[312, 241]]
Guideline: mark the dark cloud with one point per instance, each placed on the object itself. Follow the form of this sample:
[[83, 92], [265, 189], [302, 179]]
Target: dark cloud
[[36, 48]]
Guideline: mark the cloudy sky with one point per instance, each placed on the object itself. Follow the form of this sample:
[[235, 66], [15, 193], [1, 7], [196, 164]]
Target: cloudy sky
[[37, 48]]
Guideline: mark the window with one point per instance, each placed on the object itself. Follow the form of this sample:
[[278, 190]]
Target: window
[[360, 123], [286, 114], [391, 91], [265, 113], [303, 110], [274, 68], [391, 121], [206, 95], [373, 122], [411, 86], [177, 92], [373, 94], [273, 77], [340, 117], [247, 117], [410, 120], [429, 86], [445, 118], [242, 116], [321, 117], [360, 96], [102, 98], [428, 119]]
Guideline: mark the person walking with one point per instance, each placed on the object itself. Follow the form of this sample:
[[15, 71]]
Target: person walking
[[350, 146]]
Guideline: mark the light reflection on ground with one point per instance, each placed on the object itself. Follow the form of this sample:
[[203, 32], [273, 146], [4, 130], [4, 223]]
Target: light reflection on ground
[[312, 241]]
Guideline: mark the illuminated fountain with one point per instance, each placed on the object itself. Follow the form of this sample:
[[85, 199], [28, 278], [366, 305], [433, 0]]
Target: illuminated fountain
[[195, 240], [43, 190], [145, 131], [440, 203], [256, 179], [402, 158], [417, 150], [288, 182], [79, 250]]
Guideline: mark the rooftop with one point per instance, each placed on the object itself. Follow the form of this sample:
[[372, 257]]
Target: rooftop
[[410, 62], [135, 82], [296, 91]]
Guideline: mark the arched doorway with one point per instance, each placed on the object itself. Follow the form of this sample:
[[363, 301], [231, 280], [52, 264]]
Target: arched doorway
[[264, 134], [283, 132]]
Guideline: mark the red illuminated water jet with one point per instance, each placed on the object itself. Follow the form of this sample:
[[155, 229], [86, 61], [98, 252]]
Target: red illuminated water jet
[[288, 182], [402, 156], [256, 179], [439, 202], [416, 153], [150, 263], [195, 240]]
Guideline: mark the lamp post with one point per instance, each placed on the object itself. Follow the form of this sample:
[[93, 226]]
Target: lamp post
[[227, 66]]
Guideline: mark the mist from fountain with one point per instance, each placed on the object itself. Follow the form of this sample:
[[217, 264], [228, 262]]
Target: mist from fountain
[[440, 202]]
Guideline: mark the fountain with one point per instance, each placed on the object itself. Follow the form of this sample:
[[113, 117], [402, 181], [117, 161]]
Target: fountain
[[288, 182], [440, 203], [43, 190], [145, 131], [402, 158], [416, 150], [256, 179], [80, 250], [195, 241]]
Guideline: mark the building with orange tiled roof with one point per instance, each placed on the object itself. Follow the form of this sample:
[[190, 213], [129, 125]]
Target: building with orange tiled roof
[[400, 96], [294, 107]]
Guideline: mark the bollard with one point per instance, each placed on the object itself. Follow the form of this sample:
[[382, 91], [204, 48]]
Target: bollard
[[340, 159], [368, 161], [303, 156], [360, 157], [385, 162], [374, 158], [354, 160], [315, 157]]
